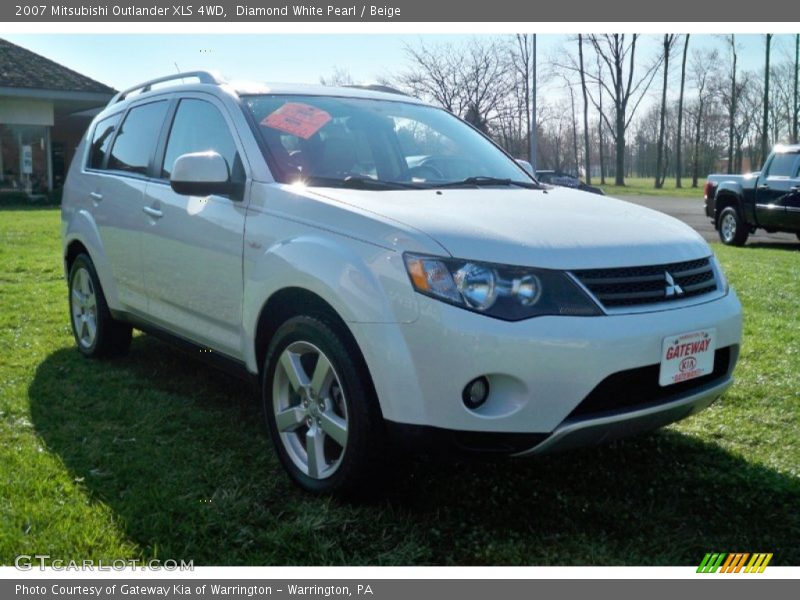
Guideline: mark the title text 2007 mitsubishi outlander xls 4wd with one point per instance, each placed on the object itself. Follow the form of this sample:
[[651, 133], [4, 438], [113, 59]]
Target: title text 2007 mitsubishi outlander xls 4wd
[[385, 270]]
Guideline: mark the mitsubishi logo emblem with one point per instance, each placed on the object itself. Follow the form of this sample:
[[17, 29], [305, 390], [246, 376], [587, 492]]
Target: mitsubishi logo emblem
[[672, 289]]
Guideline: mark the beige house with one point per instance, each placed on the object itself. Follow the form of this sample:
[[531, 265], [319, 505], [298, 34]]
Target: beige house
[[44, 109]]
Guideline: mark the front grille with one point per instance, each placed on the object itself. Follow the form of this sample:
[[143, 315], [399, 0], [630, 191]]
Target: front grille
[[634, 286], [637, 388]]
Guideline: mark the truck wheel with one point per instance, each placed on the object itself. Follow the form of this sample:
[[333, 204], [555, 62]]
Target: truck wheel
[[96, 332], [732, 230], [321, 413]]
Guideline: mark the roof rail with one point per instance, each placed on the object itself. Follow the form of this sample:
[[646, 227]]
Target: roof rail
[[377, 87], [202, 76]]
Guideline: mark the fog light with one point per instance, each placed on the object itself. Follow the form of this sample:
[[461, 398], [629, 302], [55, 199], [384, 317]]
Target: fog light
[[475, 393]]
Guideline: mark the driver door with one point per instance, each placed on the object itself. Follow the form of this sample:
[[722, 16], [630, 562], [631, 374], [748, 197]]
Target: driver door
[[192, 249]]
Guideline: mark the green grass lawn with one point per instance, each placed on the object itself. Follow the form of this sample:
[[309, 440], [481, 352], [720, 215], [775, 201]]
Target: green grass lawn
[[640, 186], [156, 455]]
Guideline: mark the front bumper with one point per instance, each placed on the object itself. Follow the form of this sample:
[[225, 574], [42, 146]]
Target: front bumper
[[579, 433], [540, 370]]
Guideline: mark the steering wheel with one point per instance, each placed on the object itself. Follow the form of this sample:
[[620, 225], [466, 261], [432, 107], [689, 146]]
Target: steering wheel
[[425, 172]]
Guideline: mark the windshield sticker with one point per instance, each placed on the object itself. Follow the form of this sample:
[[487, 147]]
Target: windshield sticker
[[296, 118]]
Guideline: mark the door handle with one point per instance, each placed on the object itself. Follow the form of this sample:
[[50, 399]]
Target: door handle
[[763, 186], [795, 188], [96, 196], [153, 212]]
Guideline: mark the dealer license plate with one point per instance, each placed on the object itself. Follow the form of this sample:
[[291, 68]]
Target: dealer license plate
[[687, 356]]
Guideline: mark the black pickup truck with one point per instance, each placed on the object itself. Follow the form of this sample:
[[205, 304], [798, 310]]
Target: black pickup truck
[[768, 199]]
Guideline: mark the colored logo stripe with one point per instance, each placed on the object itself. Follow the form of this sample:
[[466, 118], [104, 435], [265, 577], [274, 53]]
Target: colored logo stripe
[[734, 562]]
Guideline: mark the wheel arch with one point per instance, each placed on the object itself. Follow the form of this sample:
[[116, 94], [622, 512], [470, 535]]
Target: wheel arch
[[82, 236], [294, 301]]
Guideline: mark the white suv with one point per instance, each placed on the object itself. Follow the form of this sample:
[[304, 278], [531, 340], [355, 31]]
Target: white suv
[[387, 273]]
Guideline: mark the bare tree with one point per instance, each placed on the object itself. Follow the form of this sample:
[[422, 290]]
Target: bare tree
[[521, 60], [679, 141], [435, 76], [586, 148], [668, 43], [733, 99], [470, 80], [600, 137], [765, 121], [618, 54], [702, 66]]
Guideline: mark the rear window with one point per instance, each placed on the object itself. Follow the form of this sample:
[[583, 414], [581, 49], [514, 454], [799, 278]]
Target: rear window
[[101, 141], [137, 138]]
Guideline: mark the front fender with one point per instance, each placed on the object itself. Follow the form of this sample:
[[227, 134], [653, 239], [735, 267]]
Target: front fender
[[364, 283]]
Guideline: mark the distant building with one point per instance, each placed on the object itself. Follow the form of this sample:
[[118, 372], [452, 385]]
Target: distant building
[[44, 110]]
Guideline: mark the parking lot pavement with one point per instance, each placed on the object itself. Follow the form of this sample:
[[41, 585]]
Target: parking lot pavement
[[690, 211]]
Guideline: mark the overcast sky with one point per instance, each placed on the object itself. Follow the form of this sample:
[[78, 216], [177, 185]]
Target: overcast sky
[[124, 60]]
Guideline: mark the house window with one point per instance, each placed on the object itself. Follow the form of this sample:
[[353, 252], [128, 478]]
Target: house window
[[23, 158]]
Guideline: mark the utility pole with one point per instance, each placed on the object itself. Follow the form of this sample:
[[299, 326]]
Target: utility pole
[[796, 62], [534, 128], [765, 123]]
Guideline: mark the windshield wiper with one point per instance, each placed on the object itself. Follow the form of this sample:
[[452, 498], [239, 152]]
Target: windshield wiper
[[484, 180], [359, 182]]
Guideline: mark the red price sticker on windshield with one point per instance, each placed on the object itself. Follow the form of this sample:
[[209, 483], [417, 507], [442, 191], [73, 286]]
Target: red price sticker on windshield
[[296, 118]]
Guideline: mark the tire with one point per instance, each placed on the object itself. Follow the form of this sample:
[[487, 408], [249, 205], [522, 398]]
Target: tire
[[732, 230], [327, 430], [96, 332]]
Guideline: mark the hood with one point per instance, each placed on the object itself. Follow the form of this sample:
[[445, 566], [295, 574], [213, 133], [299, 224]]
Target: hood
[[559, 229]]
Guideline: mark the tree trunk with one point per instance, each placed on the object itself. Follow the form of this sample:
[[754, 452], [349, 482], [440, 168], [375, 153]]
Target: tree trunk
[[574, 133], [732, 115], [619, 176], [601, 141], [679, 149], [765, 121], [587, 155], [696, 157], [659, 183]]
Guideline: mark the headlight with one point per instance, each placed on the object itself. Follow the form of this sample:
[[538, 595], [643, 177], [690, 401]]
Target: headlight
[[501, 291]]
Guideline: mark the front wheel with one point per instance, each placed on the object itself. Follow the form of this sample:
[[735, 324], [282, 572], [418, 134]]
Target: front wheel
[[320, 409], [732, 230]]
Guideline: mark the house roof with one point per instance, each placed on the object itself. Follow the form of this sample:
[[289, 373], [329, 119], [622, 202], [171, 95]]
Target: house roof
[[21, 68]]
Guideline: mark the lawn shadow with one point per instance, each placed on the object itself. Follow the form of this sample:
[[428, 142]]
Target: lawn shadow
[[178, 452], [790, 246]]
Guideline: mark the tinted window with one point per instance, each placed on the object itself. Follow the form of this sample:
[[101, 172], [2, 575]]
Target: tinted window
[[781, 165], [199, 127], [101, 140], [137, 138]]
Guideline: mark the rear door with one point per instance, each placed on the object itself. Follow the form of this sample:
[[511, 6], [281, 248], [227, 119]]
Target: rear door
[[192, 248], [777, 190], [117, 168]]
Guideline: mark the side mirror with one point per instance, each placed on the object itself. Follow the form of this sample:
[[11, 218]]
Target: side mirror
[[200, 174], [527, 166]]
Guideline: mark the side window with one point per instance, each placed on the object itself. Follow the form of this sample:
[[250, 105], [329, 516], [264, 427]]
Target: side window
[[101, 140], [198, 126], [782, 165], [137, 138]]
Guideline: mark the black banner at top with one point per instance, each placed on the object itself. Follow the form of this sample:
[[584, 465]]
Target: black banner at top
[[351, 11]]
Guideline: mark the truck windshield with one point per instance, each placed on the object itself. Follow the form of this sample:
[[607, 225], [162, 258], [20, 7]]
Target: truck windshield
[[376, 144]]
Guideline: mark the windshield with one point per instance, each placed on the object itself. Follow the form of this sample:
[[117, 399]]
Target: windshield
[[337, 141]]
